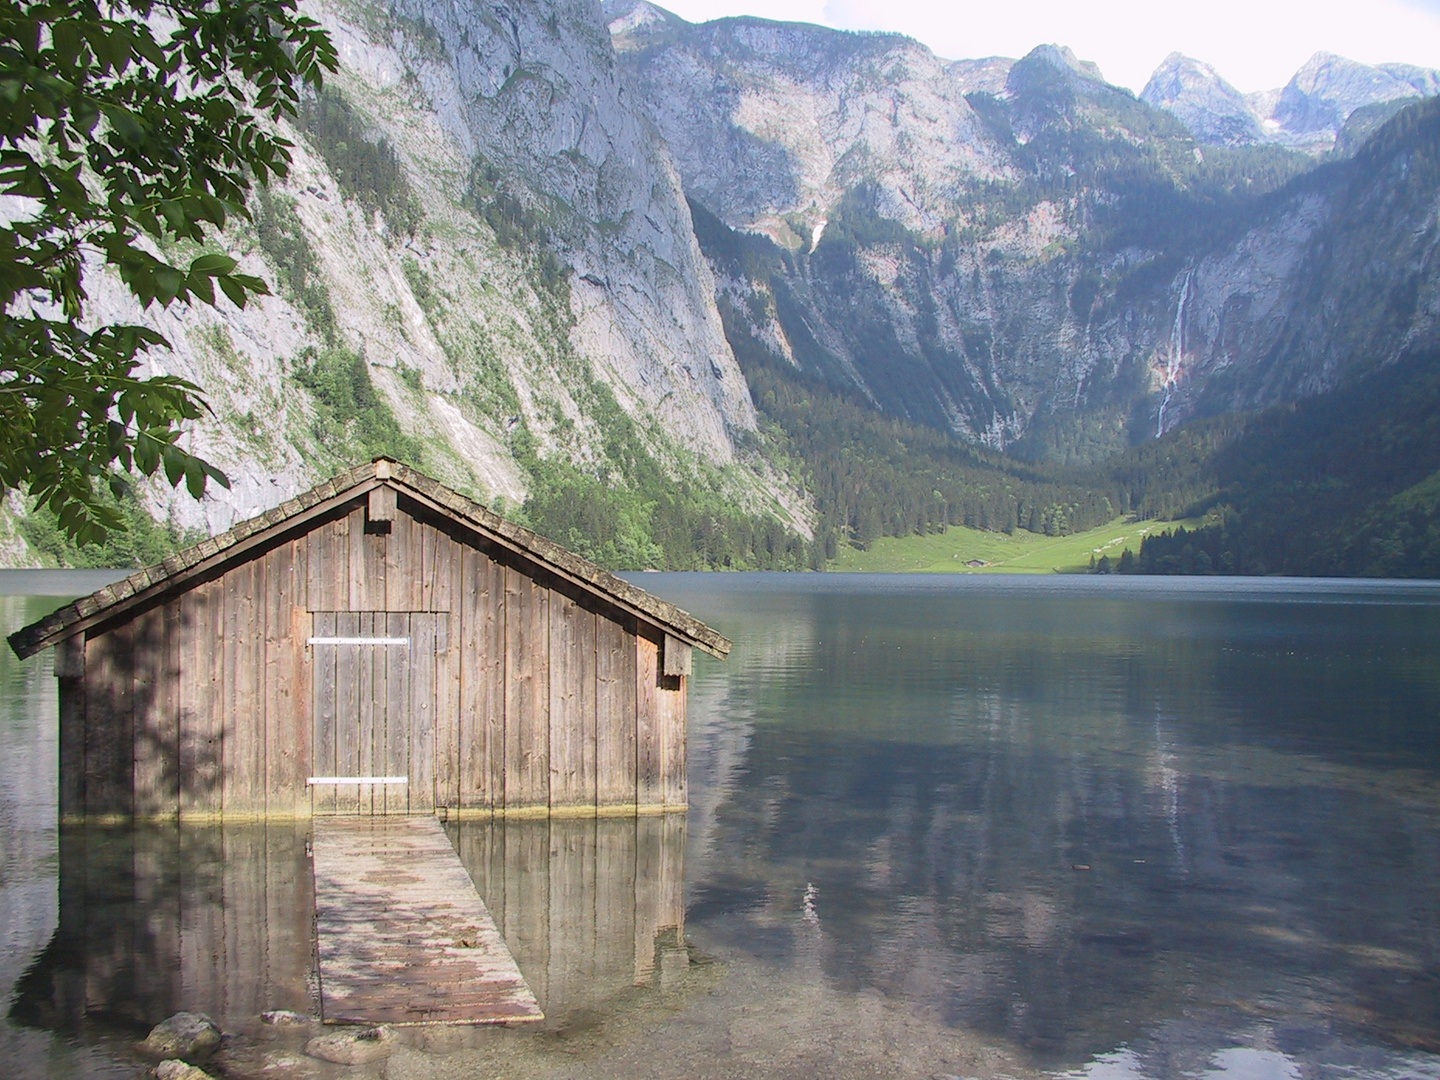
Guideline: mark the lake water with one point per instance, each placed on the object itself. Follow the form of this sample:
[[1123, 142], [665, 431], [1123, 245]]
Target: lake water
[[940, 827]]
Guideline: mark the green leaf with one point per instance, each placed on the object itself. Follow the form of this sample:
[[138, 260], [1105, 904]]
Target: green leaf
[[175, 465], [202, 288], [195, 476], [212, 265], [251, 284], [147, 454], [128, 124], [86, 114], [168, 283], [65, 39], [138, 137], [233, 289]]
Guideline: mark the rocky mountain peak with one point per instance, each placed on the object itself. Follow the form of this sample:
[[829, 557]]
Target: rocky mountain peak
[[1426, 81], [1063, 59], [986, 75], [632, 22], [1328, 88], [1194, 92], [771, 123], [1307, 114]]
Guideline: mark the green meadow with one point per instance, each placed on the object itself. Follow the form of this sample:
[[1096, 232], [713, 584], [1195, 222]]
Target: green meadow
[[959, 550]]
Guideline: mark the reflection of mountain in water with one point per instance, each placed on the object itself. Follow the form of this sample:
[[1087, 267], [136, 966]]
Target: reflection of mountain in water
[[1064, 820]]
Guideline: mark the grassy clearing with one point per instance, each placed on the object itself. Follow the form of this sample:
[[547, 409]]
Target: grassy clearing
[[953, 551]]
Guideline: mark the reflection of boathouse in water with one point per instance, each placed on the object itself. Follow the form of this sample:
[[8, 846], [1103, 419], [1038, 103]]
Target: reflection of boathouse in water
[[220, 919], [377, 646]]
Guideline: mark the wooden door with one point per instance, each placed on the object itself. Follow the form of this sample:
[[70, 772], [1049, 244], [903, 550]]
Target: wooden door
[[373, 711]]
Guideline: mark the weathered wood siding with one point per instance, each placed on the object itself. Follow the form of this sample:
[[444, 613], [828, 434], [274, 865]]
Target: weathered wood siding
[[532, 695]]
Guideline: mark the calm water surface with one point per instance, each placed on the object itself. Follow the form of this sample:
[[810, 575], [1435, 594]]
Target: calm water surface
[[939, 827]]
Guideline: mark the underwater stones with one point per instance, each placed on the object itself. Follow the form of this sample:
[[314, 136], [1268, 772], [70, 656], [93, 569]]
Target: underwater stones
[[285, 1018], [184, 1035], [175, 1069], [352, 1046]]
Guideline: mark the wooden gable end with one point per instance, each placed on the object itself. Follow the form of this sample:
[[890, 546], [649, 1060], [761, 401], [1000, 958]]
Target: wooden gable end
[[517, 690]]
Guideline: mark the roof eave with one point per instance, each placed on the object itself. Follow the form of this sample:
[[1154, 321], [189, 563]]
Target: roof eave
[[208, 555]]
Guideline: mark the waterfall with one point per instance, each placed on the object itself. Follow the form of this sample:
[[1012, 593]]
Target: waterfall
[[1177, 345]]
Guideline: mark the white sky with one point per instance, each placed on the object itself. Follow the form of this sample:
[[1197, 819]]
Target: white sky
[[1254, 44]]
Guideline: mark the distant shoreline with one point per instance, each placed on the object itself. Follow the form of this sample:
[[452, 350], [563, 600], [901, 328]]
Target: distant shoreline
[[57, 582]]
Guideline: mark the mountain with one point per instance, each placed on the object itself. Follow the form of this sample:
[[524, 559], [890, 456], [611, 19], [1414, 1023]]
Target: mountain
[[1320, 97], [1344, 483], [1334, 278], [1056, 270], [1195, 94], [984, 263], [484, 262], [1310, 113], [771, 123], [731, 293]]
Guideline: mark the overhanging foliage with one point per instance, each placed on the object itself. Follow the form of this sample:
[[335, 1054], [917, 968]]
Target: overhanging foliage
[[125, 128]]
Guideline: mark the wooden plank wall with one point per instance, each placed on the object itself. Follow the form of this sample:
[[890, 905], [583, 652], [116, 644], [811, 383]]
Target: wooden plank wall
[[538, 700]]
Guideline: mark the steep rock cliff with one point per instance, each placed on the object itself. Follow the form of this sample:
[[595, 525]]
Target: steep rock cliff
[[1077, 274], [1335, 279], [545, 275], [773, 122]]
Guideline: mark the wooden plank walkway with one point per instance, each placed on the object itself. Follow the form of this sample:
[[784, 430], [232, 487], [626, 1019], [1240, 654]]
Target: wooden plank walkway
[[402, 934]]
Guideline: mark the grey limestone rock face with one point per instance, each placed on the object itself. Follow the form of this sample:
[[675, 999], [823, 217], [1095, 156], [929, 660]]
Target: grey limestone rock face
[[986, 75], [1424, 81], [1308, 113], [1322, 94], [770, 124], [1194, 92], [1063, 59], [541, 98]]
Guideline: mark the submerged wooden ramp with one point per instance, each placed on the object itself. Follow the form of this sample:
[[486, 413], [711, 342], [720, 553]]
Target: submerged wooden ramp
[[402, 935]]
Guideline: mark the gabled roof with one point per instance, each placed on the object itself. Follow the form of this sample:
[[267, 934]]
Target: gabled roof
[[253, 535]]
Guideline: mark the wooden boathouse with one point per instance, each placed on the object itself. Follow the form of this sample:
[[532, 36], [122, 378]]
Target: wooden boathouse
[[381, 645]]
